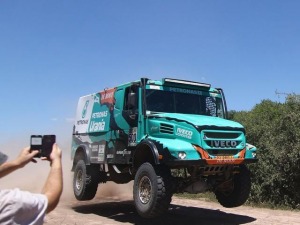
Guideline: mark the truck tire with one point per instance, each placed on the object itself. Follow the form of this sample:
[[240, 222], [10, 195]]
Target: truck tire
[[239, 194], [85, 182], [152, 192]]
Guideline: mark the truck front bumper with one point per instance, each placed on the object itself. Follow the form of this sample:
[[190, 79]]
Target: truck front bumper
[[207, 162]]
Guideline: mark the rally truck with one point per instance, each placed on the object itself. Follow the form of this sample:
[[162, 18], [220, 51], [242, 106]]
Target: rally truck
[[168, 136]]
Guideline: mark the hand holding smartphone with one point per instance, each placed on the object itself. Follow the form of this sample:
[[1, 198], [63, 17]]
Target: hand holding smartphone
[[42, 143]]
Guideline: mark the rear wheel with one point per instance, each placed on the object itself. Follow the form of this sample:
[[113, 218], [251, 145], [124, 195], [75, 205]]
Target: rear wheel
[[152, 190], [237, 190], [85, 181]]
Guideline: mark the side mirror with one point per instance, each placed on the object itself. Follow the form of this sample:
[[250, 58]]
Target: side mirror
[[131, 101]]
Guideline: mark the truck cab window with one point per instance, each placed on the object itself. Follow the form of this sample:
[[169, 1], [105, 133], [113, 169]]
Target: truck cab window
[[131, 98], [130, 110]]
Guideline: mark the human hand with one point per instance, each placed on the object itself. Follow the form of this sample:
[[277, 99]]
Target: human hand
[[56, 152], [55, 155], [25, 157]]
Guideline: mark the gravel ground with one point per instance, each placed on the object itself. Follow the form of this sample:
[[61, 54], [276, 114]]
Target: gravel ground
[[111, 211]]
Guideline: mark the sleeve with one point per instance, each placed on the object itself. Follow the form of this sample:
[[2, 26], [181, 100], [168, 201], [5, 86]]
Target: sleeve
[[22, 207]]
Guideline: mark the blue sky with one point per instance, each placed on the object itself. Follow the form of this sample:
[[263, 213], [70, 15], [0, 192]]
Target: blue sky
[[53, 52]]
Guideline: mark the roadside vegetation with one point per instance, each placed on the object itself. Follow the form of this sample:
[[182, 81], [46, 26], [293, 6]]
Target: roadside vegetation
[[274, 128]]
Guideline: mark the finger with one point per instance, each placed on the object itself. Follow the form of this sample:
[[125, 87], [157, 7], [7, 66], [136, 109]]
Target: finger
[[45, 158], [33, 160], [27, 148], [54, 147], [34, 152]]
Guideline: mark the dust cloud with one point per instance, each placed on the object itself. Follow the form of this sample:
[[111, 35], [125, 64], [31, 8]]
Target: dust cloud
[[33, 176], [115, 191]]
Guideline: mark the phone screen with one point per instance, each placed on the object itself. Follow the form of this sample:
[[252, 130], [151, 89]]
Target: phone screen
[[36, 142]]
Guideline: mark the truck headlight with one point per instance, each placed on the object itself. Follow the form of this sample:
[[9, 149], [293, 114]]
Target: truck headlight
[[181, 155]]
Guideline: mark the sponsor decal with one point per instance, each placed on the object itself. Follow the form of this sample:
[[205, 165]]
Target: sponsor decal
[[184, 133], [82, 122], [154, 129], [101, 152], [226, 161], [110, 156], [132, 136], [84, 110], [123, 152], [224, 157], [223, 144], [94, 148], [219, 160], [96, 98], [97, 126], [187, 91], [107, 96], [99, 114]]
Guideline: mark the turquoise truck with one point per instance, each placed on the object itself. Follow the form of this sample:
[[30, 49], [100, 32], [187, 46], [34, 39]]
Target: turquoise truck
[[168, 136]]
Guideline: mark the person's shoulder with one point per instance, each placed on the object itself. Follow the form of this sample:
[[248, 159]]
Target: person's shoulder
[[9, 191], [21, 196], [15, 201]]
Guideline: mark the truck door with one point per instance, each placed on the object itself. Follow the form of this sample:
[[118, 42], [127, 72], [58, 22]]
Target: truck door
[[123, 126]]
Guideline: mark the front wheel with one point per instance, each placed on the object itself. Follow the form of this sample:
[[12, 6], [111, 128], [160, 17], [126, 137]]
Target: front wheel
[[152, 192], [85, 182], [238, 191]]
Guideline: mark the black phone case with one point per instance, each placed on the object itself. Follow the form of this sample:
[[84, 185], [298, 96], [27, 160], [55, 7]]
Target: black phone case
[[47, 144]]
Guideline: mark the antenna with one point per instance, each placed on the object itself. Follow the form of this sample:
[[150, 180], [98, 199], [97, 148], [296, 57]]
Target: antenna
[[280, 93]]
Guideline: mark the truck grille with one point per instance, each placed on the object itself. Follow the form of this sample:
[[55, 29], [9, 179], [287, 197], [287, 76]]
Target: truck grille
[[214, 135], [220, 143]]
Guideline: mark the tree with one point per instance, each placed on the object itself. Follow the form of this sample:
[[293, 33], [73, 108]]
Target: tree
[[275, 130]]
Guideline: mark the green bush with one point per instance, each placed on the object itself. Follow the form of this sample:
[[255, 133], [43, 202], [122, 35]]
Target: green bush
[[274, 128]]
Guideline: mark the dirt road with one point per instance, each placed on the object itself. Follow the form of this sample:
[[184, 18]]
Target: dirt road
[[110, 211], [113, 205]]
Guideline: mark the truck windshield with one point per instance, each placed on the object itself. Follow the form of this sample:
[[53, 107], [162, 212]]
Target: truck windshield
[[201, 103]]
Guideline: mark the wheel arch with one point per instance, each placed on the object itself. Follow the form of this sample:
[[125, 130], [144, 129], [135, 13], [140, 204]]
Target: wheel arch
[[82, 152], [146, 151]]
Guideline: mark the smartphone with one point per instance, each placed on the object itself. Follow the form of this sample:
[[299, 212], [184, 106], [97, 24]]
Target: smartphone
[[47, 144], [42, 143], [36, 144]]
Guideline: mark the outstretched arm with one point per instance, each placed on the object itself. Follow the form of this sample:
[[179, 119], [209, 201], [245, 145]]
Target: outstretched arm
[[24, 157], [54, 183]]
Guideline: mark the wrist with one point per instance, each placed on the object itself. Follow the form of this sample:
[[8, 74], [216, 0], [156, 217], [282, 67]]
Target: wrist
[[56, 163], [16, 164]]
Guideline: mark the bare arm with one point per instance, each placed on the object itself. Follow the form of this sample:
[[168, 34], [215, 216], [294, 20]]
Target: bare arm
[[54, 183], [24, 157]]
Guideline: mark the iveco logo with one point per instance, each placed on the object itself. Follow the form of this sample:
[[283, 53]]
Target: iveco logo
[[224, 144]]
